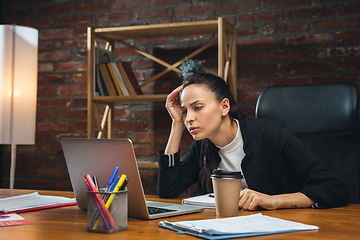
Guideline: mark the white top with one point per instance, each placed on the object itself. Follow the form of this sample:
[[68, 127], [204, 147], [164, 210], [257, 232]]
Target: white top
[[232, 155]]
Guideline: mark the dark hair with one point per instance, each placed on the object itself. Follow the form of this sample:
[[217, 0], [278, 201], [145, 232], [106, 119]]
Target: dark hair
[[221, 90]]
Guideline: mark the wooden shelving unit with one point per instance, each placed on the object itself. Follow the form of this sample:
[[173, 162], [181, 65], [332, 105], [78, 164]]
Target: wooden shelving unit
[[226, 40]]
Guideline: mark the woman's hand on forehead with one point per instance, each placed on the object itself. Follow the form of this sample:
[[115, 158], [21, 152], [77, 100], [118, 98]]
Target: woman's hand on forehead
[[173, 104]]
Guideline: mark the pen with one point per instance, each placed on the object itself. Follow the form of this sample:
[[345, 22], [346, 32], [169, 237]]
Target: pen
[[211, 195], [191, 229], [96, 182], [114, 184], [112, 178], [112, 187], [123, 186]]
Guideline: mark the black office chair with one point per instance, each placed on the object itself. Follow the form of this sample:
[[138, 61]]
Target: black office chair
[[325, 117]]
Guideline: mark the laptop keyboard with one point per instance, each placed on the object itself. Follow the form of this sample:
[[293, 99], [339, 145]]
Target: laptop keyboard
[[156, 210]]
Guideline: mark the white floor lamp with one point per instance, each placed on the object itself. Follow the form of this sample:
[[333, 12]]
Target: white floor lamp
[[18, 88]]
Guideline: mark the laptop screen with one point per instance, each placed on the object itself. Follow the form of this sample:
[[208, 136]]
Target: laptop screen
[[99, 157]]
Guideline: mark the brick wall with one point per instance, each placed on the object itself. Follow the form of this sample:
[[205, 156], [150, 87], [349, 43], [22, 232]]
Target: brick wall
[[279, 42]]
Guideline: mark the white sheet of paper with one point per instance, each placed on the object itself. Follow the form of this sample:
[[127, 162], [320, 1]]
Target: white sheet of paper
[[256, 223]]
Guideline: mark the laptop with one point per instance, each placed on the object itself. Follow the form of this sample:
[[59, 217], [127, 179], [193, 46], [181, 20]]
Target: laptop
[[99, 157]]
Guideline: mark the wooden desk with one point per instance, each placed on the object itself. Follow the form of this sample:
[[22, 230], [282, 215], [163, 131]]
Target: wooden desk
[[69, 223]]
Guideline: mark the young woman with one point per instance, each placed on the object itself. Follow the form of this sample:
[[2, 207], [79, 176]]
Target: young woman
[[279, 171]]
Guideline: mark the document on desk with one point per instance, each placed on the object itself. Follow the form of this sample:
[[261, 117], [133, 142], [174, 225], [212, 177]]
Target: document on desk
[[235, 227], [33, 201]]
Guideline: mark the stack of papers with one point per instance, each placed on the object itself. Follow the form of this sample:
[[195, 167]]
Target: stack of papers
[[235, 227], [33, 201], [201, 201]]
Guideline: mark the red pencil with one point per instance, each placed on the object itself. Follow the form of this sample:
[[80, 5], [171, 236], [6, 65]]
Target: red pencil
[[101, 203]]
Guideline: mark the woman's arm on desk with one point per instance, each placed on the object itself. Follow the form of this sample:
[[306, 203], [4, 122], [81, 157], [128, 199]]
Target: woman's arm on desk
[[252, 200]]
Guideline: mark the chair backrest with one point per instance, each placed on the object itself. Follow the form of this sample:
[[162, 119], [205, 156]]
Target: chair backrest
[[325, 117], [318, 108]]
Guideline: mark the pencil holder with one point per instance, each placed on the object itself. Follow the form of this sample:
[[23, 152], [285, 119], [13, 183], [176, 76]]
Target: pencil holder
[[107, 212]]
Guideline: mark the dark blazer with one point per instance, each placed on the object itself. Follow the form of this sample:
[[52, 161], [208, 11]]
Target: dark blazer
[[276, 162]]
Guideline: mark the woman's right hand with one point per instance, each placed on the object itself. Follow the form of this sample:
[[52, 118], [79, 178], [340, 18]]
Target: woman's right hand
[[173, 105]]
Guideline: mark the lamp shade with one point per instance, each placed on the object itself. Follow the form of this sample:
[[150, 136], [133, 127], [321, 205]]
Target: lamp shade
[[18, 84]]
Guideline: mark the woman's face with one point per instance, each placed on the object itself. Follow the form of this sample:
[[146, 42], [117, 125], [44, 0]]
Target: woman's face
[[202, 112]]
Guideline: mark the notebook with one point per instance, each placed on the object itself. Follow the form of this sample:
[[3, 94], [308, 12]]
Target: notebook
[[99, 157]]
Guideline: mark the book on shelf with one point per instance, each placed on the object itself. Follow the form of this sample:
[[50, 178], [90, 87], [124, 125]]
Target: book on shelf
[[114, 80], [100, 84], [132, 78], [117, 78], [107, 79], [126, 79], [100, 56], [96, 87]]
